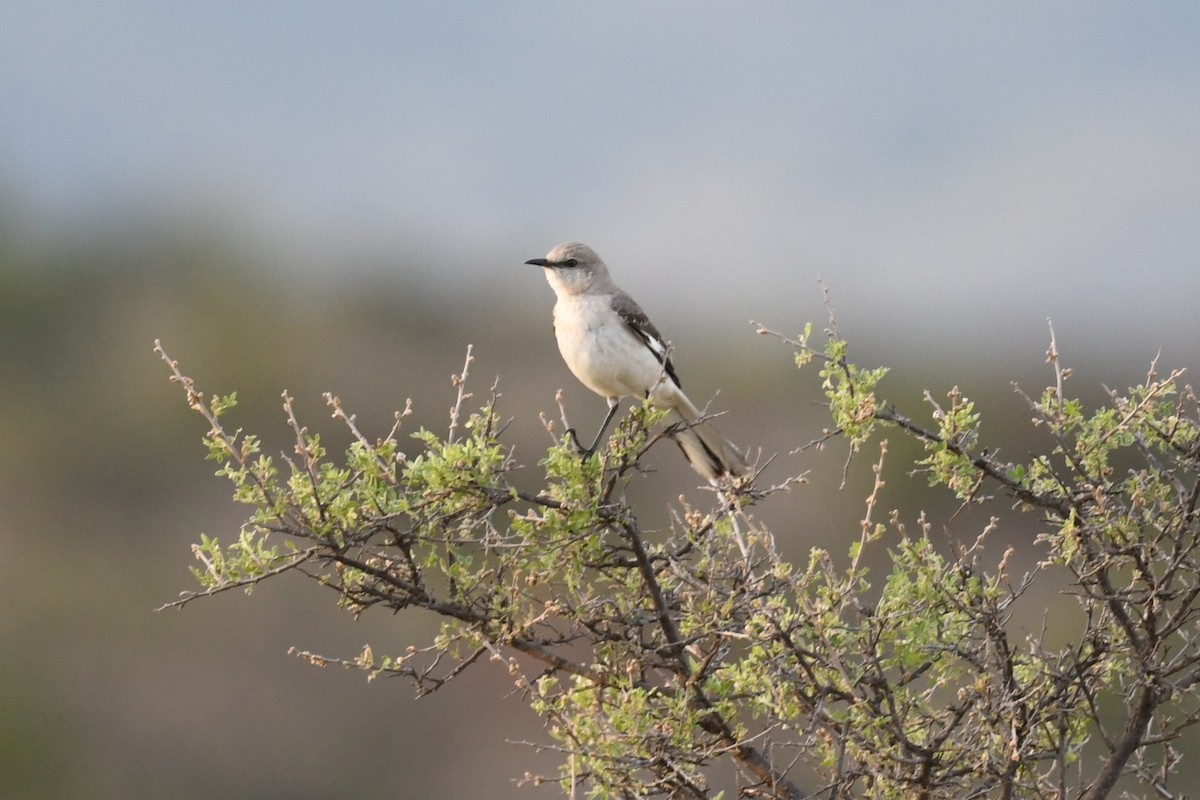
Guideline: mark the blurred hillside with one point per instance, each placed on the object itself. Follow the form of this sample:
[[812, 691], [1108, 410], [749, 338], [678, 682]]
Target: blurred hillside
[[103, 487]]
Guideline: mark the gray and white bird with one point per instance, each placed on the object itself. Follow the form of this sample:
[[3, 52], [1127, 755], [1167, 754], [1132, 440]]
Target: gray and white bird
[[614, 350]]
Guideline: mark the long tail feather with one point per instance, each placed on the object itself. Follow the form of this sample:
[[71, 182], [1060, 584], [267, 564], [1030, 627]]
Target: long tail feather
[[706, 448]]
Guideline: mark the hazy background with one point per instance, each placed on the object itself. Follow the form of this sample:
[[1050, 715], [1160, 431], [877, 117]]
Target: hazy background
[[341, 197]]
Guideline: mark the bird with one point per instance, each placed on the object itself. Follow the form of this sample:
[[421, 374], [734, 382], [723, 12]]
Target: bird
[[613, 348]]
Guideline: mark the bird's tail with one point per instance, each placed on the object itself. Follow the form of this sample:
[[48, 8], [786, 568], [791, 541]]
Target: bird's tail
[[706, 448]]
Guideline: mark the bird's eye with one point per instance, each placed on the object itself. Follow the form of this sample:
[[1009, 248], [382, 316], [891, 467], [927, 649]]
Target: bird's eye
[[570, 262]]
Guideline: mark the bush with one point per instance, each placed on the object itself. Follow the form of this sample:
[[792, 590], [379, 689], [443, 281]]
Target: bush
[[654, 658]]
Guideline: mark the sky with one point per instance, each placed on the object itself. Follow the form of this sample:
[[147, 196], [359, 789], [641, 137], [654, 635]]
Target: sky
[[941, 167]]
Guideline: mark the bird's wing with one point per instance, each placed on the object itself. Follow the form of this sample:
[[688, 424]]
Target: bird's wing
[[636, 320]]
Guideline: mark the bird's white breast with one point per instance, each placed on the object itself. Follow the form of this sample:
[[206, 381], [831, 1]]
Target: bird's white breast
[[600, 349]]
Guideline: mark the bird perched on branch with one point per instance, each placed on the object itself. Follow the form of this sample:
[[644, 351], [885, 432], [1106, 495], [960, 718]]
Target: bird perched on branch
[[614, 350]]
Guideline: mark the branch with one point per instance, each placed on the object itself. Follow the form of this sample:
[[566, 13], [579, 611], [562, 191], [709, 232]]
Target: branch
[[460, 383], [1126, 746], [988, 466], [298, 558], [749, 757]]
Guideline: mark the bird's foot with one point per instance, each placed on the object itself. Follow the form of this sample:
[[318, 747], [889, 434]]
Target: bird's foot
[[584, 452]]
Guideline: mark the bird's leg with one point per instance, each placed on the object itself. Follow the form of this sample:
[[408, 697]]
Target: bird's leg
[[612, 411]]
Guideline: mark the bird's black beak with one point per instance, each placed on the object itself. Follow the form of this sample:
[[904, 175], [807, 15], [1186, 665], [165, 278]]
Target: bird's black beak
[[540, 262]]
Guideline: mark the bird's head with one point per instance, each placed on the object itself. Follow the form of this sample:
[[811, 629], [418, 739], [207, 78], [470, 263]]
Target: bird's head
[[572, 268]]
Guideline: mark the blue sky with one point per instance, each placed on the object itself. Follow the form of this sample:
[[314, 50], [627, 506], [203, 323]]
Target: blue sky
[[977, 166]]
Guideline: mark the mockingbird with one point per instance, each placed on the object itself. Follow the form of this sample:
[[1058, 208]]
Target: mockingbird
[[614, 350]]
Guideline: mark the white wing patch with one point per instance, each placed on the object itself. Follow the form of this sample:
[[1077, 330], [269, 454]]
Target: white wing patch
[[637, 321]]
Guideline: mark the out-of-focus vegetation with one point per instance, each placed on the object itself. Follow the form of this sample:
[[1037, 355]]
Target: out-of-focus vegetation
[[102, 492], [103, 488]]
